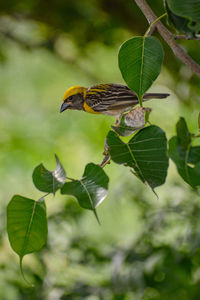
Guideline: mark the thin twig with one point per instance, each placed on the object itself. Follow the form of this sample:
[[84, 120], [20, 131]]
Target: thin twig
[[168, 37], [151, 31], [43, 197], [152, 24], [69, 178], [185, 37], [105, 161]]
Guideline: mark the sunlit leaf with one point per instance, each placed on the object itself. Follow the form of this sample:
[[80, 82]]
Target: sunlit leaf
[[146, 153], [26, 225], [49, 181], [140, 61], [91, 189]]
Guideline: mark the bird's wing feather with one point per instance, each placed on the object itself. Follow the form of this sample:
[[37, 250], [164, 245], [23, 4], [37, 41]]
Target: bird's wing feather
[[103, 97]]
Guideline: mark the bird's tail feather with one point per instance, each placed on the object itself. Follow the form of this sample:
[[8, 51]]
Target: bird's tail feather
[[149, 96]]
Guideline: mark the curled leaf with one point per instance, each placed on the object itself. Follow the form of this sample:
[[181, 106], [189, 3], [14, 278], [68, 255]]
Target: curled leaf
[[189, 9], [132, 121], [91, 189], [49, 181], [185, 156]]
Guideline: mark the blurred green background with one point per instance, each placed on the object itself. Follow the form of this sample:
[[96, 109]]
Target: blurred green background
[[145, 248]]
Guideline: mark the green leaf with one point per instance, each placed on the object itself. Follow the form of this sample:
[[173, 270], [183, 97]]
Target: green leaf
[[49, 181], [194, 155], [140, 61], [189, 173], [91, 189], [181, 23], [146, 153], [189, 9], [186, 157], [26, 225], [183, 134]]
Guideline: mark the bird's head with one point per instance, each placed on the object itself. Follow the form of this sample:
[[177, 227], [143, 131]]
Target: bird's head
[[73, 98]]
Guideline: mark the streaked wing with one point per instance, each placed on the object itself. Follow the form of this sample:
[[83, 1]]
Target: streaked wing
[[103, 97]]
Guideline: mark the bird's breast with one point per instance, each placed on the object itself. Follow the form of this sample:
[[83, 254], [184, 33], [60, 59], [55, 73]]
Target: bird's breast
[[89, 109]]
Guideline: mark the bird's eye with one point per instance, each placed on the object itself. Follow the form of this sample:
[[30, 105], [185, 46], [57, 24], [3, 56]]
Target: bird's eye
[[70, 98]]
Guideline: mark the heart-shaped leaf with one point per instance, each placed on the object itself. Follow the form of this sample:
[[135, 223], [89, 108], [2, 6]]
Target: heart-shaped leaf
[[49, 181], [146, 153], [26, 225], [140, 61], [91, 189]]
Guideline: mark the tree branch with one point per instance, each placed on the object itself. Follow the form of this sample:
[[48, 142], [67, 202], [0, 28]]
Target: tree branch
[[184, 37], [168, 37]]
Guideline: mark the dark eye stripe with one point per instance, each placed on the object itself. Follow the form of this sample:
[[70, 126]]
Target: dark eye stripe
[[68, 99]]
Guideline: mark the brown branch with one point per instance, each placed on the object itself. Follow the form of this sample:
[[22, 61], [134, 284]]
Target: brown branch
[[184, 37], [168, 37]]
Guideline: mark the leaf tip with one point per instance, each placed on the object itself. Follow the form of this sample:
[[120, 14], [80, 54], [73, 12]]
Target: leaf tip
[[96, 216], [22, 273], [155, 193]]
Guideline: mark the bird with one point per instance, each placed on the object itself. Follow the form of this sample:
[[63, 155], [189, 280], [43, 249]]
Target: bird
[[108, 99]]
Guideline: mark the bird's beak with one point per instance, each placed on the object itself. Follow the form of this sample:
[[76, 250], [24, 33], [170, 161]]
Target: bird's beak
[[64, 106]]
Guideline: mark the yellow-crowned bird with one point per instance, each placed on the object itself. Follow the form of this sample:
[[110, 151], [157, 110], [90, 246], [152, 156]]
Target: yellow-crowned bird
[[107, 99]]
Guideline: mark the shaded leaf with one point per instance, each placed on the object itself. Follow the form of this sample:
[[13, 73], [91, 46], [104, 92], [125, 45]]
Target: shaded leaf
[[183, 134], [146, 153], [186, 157], [181, 24], [189, 9], [49, 181], [91, 189], [194, 155], [189, 173], [26, 225], [140, 61]]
